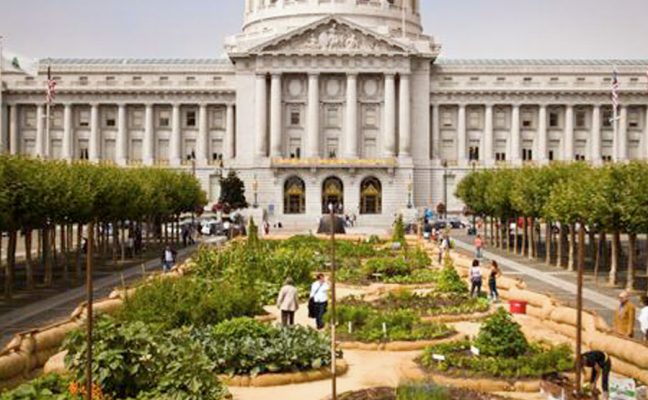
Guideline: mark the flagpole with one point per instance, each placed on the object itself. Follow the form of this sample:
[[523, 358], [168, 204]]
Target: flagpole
[[3, 144], [48, 110]]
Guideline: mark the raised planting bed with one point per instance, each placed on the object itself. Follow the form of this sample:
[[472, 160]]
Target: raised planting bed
[[418, 391], [500, 351]]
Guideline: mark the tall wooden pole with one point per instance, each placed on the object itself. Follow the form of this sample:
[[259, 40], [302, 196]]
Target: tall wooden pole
[[579, 306], [89, 312], [333, 302]]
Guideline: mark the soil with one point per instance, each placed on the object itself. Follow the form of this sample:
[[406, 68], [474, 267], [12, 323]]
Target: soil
[[385, 393]]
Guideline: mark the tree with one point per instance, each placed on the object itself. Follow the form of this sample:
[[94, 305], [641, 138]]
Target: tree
[[634, 206], [233, 191]]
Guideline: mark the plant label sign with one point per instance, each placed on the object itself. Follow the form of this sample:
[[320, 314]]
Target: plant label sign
[[474, 350], [438, 357], [622, 389]]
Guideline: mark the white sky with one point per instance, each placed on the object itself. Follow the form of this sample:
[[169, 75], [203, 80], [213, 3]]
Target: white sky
[[196, 28]]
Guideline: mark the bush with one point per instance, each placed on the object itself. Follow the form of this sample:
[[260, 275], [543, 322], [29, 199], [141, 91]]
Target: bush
[[398, 235], [173, 303], [387, 267], [135, 360], [48, 387], [501, 336], [449, 280]]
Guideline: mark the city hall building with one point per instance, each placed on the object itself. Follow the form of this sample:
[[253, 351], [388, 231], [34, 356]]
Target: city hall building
[[331, 101]]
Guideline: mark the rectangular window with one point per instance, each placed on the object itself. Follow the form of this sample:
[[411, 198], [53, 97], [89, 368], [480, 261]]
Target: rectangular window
[[554, 119], [633, 119], [473, 153], [190, 119], [371, 117], [295, 118], [527, 155], [294, 147], [30, 118], [500, 156], [110, 119], [331, 148], [474, 120], [527, 119], [581, 119], [500, 119], [218, 118], [83, 153], [370, 148], [607, 119], [57, 118], [216, 150], [83, 118], [137, 119], [189, 149], [332, 117], [446, 118], [164, 119]]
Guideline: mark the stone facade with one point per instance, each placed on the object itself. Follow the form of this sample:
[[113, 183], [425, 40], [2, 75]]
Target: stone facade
[[331, 101]]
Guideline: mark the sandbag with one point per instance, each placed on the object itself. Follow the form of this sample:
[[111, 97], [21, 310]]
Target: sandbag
[[527, 386], [623, 368], [564, 329], [532, 298], [41, 357], [629, 351], [56, 364], [53, 337], [13, 364]]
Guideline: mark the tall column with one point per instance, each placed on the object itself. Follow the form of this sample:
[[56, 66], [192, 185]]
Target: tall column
[[595, 145], [148, 156], [120, 144], [312, 117], [405, 117], [569, 134], [40, 130], [645, 142], [461, 135], [542, 133], [435, 152], [203, 135], [66, 145], [623, 134], [13, 129], [261, 115], [351, 131], [175, 142], [230, 137], [488, 135], [93, 143], [275, 115], [389, 130], [515, 134]]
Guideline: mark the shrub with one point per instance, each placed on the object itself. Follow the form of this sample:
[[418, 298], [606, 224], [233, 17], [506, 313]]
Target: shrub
[[449, 280], [48, 387], [386, 267], [501, 336], [398, 235]]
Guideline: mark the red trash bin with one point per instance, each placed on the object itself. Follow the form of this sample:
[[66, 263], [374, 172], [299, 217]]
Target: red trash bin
[[518, 306]]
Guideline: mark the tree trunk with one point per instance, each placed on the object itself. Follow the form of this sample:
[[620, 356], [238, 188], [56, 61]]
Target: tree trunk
[[548, 242], [115, 244], [525, 237], [29, 267], [571, 262], [632, 257], [122, 244], [516, 240], [10, 266], [64, 250], [508, 237], [592, 244], [47, 261], [532, 239], [614, 262], [79, 248], [559, 247], [39, 245]]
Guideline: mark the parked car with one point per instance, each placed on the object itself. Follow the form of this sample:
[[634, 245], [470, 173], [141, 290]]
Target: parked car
[[456, 223], [440, 224]]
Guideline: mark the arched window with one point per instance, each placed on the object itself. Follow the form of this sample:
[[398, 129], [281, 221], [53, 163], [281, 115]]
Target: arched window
[[333, 194], [370, 196], [294, 196]]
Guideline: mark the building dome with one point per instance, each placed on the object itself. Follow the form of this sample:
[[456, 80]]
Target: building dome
[[271, 17]]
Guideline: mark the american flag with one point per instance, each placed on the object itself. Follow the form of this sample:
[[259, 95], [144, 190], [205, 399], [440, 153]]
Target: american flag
[[51, 86], [616, 85]]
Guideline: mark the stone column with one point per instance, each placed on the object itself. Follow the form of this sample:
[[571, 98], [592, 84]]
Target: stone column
[[436, 132], [405, 117], [645, 143], [93, 143], [622, 145], [203, 136], [275, 116], [595, 145], [175, 142], [312, 117], [351, 132], [13, 129], [461, 135], [230, 137], [488, 135], [389, 128], [148, 144], [66, 144], [542, 133], [568, 148], [40, 130], [120, 143], [261, 115], [515, 134]]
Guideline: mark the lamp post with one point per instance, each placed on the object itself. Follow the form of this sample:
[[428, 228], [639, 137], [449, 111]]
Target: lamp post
[[255, 188], [473, 163], [445, 189], [333, 304], [192, 158], [410, 185]]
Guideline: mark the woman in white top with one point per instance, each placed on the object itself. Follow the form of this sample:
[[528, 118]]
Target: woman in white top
[[643, 318], [318, 301], [475, 274]]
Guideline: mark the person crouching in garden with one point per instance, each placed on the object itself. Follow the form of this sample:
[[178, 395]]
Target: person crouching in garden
[[318, 300], [495, 273], [475, 274], [601, 366], [288, 302]]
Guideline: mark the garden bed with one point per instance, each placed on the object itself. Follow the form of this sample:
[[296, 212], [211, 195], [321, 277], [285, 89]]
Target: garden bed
[[287, 378], [415, 392]]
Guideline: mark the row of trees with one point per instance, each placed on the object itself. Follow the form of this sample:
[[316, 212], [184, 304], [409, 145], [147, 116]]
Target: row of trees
[[563, 198], [47, 197]]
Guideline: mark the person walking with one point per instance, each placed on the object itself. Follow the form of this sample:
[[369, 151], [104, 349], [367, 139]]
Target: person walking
[[475, 274], [495, 273], [444, 247], [601, 366], [479, 244], [168, 258], [643, 318], [288, 302], [624, 316], [318, 301]]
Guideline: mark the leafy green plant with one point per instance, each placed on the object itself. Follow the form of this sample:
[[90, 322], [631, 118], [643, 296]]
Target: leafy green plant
[[398, 236], [501, 336], [449, 280], [48, 387]]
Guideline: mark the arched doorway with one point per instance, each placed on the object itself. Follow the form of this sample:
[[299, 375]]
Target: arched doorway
[[332, 193], [294, 196], [371, 196]]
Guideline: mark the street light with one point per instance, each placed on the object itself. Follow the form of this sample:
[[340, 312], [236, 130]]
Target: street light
[[445, 188], [473, 163], [255, 188], [410, 185]]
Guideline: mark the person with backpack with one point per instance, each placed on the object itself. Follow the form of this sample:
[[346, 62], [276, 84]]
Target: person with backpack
[[318, 301], [475, 274]]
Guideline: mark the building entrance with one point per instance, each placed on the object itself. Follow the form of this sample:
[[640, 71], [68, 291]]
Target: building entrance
[[332, 194]]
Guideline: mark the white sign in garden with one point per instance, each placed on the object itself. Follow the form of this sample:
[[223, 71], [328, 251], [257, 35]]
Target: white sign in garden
[[622, 389]]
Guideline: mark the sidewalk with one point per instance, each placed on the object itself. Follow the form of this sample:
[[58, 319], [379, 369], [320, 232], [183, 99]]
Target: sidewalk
[[560, 283]]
